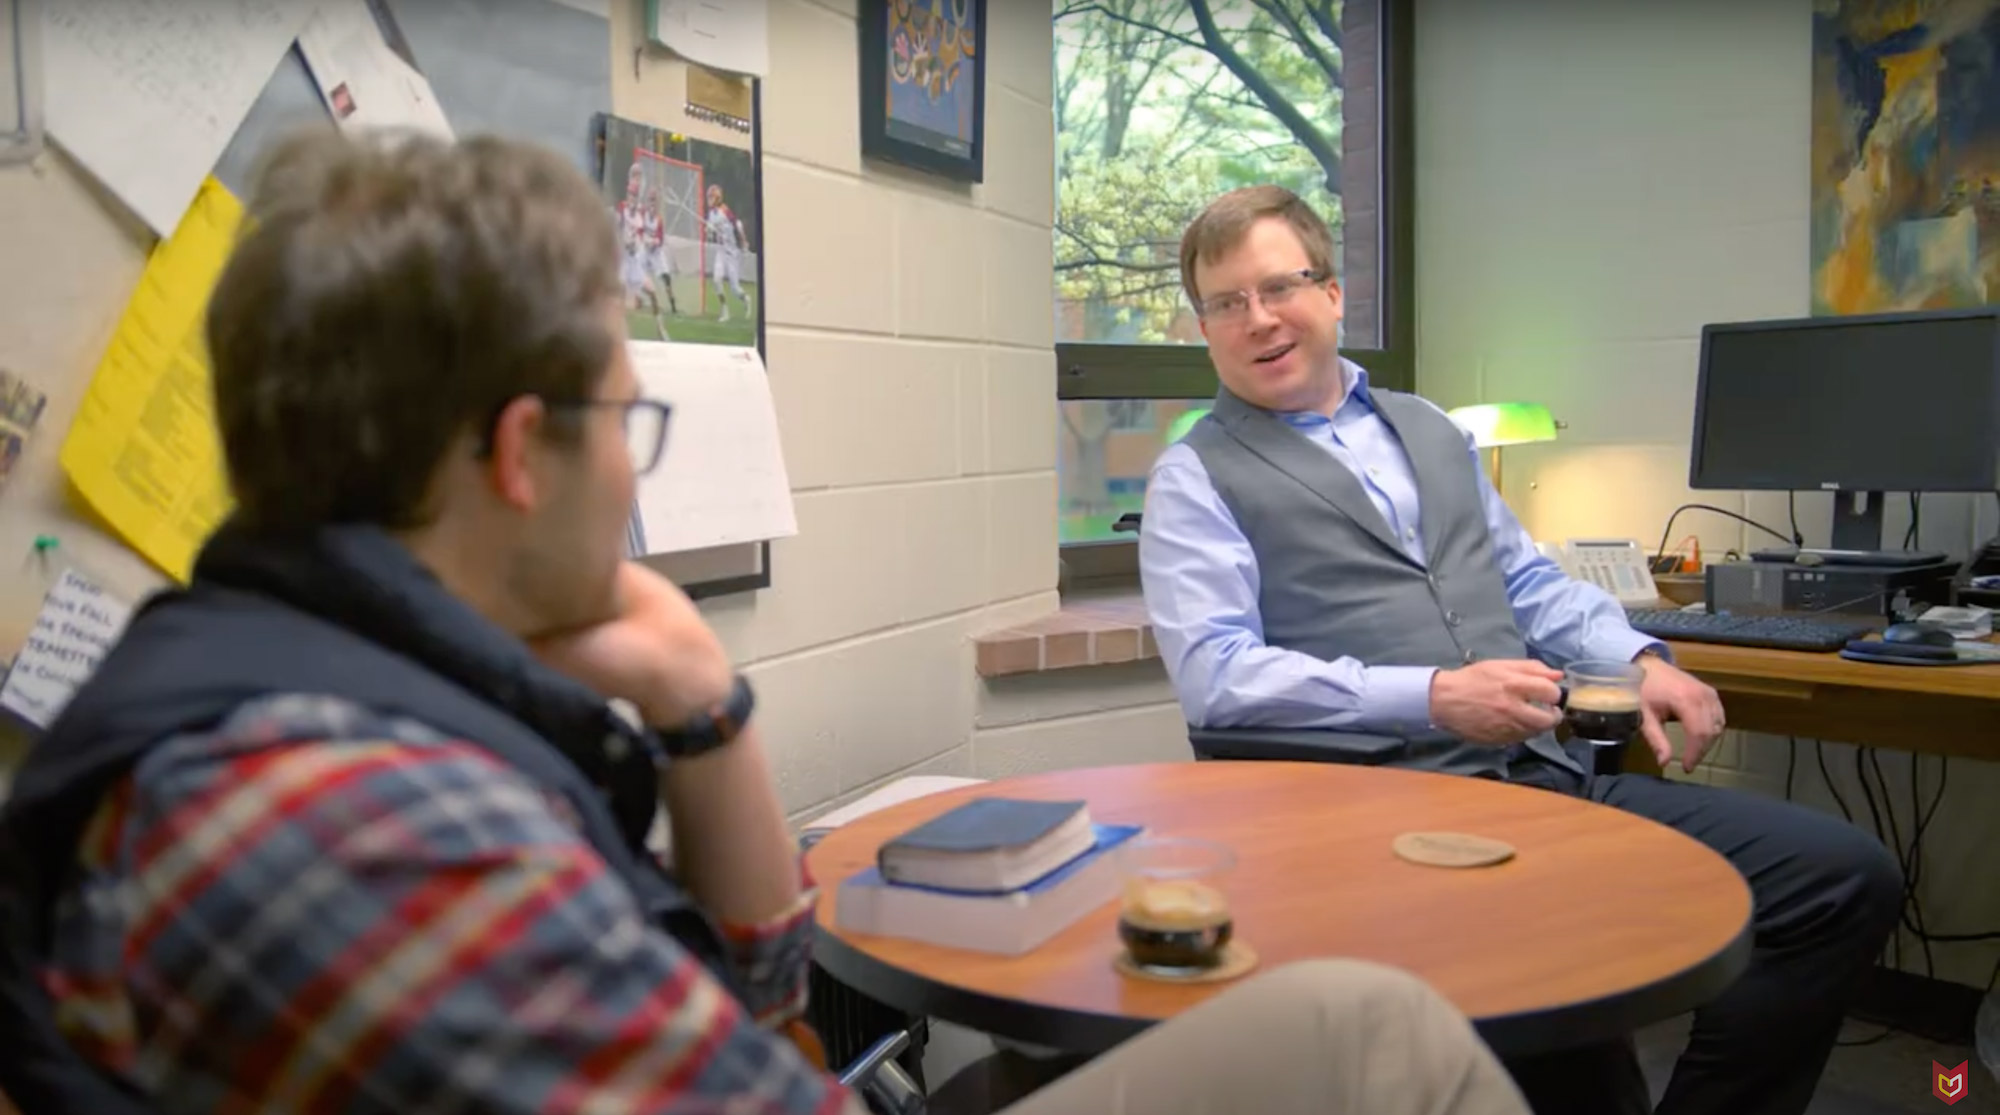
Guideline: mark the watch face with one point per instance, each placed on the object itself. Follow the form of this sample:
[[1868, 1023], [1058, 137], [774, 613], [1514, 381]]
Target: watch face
[[724, 726]]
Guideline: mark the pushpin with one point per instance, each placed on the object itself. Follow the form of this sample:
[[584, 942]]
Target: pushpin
[[46, 542]]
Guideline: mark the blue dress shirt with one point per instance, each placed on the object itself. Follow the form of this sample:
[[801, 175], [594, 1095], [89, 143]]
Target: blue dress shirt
[[1201, 585]]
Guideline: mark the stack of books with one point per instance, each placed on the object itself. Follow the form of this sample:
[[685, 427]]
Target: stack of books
[[997, 875]]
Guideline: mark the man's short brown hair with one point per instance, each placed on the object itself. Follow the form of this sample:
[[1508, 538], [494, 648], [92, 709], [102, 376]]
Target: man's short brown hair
[[1222, 226], [387, 295]]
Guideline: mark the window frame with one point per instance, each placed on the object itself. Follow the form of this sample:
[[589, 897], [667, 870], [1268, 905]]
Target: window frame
[[1097, 370]]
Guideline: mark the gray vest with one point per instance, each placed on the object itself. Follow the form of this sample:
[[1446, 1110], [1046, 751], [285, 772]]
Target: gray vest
[[1335, 582]]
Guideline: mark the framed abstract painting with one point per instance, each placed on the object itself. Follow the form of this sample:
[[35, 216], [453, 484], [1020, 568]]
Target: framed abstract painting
[[1905, 155], [923, 85]]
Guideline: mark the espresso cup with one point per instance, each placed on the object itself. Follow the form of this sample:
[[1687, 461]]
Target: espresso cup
[[1173, 916], [1600, 701]]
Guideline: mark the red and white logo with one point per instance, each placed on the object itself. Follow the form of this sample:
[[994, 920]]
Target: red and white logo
[[1948, 1085]]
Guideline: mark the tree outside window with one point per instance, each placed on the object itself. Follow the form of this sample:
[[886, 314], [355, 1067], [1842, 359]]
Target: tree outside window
[[1160, 106]]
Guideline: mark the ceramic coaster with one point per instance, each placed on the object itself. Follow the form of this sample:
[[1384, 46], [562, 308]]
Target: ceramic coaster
[[1451, 849], [1237, 959]]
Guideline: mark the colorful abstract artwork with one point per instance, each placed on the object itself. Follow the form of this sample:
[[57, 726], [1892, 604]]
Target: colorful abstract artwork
[[923, 90], [932, 53], [1905, 155]]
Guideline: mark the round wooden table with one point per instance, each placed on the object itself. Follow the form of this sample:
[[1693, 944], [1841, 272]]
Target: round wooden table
[[1600, 924]]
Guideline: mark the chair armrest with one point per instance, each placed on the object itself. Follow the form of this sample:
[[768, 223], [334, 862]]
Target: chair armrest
[[1301, 744]]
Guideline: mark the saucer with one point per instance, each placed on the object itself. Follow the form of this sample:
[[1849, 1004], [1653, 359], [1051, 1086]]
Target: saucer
[[1237, 959]]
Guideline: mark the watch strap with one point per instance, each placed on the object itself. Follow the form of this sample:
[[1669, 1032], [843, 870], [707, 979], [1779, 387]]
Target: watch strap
[[711, 727]]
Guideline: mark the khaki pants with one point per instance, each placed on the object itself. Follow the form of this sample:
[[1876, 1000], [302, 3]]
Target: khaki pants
[[1329, 1037]]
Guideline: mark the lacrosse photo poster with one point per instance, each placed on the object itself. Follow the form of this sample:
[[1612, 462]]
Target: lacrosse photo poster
[[689, 233]]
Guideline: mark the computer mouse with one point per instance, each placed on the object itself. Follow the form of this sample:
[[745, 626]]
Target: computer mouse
[[1919, 632]]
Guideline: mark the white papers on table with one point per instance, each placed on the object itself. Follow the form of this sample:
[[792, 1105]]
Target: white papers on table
[[730, 35], [366, 84], [146, 93], [76, 627], [722, 480]]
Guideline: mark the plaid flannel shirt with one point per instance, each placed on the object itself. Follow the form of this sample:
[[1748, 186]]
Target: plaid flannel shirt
[[316, 908]]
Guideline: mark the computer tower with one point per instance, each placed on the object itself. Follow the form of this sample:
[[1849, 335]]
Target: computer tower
[[1773, 588]]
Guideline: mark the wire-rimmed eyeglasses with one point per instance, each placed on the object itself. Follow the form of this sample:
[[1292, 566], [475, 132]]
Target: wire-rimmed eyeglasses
[[1230, 306]]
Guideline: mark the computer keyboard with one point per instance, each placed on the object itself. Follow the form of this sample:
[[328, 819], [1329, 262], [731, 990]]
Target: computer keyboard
[[1826, 633]]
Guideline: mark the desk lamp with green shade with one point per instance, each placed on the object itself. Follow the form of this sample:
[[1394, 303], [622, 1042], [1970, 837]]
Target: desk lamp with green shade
[[1493, 425]]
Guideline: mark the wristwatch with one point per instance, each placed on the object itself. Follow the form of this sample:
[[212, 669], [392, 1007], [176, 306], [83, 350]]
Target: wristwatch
[[711, 727]]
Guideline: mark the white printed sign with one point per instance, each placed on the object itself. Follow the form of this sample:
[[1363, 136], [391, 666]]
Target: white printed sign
[[78, 623]]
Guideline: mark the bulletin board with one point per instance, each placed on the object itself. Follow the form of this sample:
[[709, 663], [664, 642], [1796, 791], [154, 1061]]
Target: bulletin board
[[533, 69]]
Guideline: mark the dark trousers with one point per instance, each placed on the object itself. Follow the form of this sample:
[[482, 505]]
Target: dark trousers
[[1824, 898]]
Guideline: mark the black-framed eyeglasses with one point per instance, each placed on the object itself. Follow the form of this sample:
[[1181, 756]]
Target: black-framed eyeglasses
[[644, 421], [1231, 306]]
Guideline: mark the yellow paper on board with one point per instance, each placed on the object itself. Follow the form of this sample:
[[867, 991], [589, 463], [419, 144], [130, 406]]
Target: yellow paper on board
[[143, 450]]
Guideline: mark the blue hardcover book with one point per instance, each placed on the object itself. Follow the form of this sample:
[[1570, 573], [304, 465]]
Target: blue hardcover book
[[988, 845], [1009, 923]]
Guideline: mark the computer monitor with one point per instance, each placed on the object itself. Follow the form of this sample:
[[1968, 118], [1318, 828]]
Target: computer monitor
[[1857, 405]]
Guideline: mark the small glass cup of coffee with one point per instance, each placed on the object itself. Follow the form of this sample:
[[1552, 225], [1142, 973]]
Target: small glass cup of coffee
[[1173, 917], [1600, 701]]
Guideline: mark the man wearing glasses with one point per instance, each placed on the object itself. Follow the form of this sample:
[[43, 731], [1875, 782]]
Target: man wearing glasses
[[356, 821], [1321, 553]]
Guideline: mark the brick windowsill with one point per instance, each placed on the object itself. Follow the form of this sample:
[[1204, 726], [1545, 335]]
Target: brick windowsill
[[1095, 630]]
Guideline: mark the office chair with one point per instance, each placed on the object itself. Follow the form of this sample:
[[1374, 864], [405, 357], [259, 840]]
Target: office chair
[[1313, 745], [1310, 745]]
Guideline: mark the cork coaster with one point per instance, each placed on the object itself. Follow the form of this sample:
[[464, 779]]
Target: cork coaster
[[1451, 849], [1237, 959]]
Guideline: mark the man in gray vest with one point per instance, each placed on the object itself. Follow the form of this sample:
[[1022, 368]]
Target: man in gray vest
[[1318, 553]]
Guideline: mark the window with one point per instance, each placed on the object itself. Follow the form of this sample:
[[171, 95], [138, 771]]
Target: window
[[1160, 105], [1104, 448]]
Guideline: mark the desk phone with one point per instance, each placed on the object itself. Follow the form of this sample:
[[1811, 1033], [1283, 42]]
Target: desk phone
[[1617, 565]]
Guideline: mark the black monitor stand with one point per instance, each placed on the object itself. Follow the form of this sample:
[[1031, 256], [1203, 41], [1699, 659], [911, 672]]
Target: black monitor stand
[[1857, 535], [1857, 527], [1857, 538]]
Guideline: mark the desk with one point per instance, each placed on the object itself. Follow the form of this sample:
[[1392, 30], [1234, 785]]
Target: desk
[[1562, 946], [1936, 710]]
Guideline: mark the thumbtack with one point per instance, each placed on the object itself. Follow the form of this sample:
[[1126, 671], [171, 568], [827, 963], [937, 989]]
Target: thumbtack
[[46, 542]]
